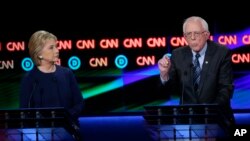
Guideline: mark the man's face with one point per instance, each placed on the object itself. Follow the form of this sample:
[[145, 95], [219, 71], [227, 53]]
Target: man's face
[[195, 35]]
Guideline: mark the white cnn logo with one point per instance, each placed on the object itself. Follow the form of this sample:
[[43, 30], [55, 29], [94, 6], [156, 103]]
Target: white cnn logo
[[240, 132]]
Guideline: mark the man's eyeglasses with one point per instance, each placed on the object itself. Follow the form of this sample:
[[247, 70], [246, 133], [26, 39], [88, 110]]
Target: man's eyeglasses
[[194, 34]]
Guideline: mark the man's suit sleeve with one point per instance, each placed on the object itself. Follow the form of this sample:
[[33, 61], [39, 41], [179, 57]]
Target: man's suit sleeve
[[225, 80]]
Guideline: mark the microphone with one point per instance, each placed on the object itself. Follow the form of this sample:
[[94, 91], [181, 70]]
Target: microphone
[[32, 93], [183, 86], [41, 96], [185, 73]]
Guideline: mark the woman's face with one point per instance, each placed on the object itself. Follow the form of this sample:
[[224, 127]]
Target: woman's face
[[50, 53]]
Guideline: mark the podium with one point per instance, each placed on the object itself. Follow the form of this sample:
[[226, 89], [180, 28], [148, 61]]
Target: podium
[[187, 122], [42, 124]]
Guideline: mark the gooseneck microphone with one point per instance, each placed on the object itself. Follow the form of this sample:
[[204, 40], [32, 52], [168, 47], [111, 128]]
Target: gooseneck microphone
[[32, 93], [183, 86], [185, 75]]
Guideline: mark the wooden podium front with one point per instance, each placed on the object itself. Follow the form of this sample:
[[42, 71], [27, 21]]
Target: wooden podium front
[[43, 124], [186, 122]]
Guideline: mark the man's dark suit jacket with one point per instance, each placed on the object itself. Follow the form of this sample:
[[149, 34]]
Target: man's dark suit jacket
[[216, 83]]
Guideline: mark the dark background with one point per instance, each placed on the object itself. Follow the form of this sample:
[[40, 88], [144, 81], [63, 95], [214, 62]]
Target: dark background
[[101, 21]]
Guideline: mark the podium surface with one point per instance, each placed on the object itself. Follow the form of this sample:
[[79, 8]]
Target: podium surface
[[187, 121], [42, 124]]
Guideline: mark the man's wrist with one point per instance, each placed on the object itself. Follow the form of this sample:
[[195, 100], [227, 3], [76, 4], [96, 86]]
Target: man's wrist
[[164, 78]]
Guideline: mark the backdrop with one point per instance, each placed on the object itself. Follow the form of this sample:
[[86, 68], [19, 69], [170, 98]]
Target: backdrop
[[115, 65]]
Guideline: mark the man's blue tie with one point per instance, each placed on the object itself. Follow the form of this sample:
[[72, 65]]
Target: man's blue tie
[[197, 72]]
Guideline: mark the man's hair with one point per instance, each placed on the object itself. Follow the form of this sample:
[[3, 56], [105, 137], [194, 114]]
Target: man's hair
[[195, 18]]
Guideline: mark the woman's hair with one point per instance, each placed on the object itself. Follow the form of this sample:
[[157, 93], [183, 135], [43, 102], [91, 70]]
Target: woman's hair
[[36, 44]]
